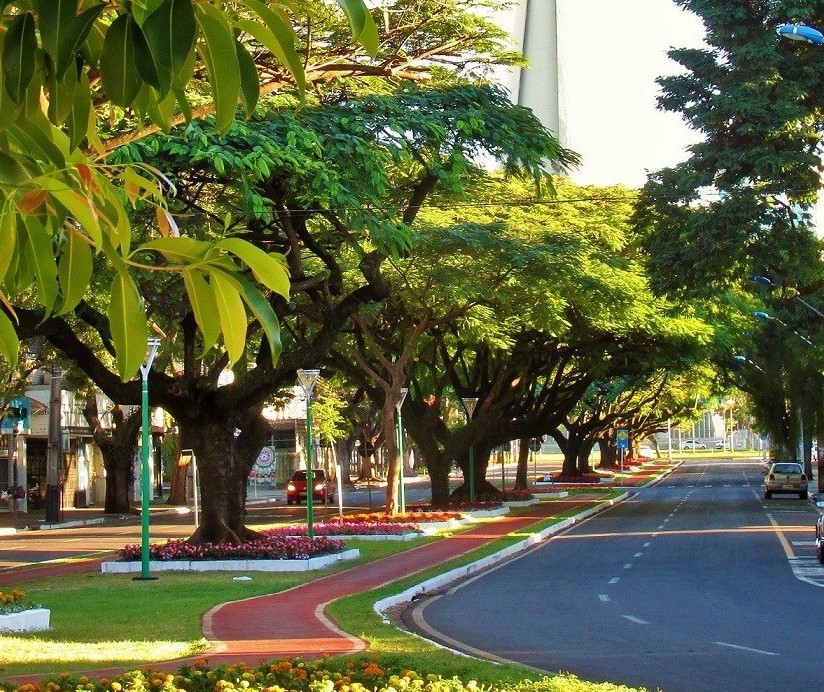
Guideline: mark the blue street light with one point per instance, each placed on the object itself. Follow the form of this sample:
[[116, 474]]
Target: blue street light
[[800, 32], [767, 281], [761, 315]]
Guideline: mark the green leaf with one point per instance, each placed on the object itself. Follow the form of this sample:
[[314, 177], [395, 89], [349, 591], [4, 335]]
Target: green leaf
[[182, 249], [269, 270], [202, 300], [117, 62], [231, 311], [19, 47], [74, 271], [9, 343], [264, 314], [170, 32], [40, 255], [278, 36], [128, 325], [218, 52], [63, 31], [8, 239], [144, 62], [362, 23], [249, 79], [77, 120], [12, 171]]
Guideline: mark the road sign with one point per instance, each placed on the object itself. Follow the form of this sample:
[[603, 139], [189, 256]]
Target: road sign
[[622, 438]]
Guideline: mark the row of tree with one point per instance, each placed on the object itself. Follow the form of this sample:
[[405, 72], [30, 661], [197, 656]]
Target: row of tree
[[392, 230]]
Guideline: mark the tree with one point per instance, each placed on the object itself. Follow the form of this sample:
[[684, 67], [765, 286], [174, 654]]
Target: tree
[[521, 304], [352, 206], [61, 64]]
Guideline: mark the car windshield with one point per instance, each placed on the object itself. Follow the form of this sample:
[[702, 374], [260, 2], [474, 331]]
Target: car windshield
[[794, 469], [317, 475]]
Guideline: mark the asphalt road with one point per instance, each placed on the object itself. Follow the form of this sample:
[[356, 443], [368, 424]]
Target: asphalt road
[[694, 584]]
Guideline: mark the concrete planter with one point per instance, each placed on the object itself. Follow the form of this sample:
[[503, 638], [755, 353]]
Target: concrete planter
[[128, 567], [34, 620]]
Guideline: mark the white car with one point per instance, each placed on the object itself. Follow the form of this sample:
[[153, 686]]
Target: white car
[[646, 452], [693, 444]]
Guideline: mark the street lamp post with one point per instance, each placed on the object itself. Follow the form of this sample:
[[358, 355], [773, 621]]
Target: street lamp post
[[307, 380], [469, 406], [145, 486], [401, 488]]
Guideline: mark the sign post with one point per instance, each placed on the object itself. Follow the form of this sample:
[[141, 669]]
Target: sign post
[[622, 443]]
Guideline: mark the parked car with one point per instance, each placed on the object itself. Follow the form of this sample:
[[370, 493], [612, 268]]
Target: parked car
[[646, 452], [324, 489], [692, 444], [819, 539], [785, 477], [720, 444]]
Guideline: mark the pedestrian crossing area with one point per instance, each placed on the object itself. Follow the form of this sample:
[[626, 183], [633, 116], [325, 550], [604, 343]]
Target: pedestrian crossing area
[[807, 569]]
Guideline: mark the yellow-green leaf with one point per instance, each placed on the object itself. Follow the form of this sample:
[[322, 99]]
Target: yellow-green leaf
[[8, 239], [362, 23], [203, 305], [231, 311], [218, 52], [270, 270], [81, 208], [127, 320], [75, 271], [9, 343], [182, 249], [277, 36], [265, 316], [38, 249], [117, 63]]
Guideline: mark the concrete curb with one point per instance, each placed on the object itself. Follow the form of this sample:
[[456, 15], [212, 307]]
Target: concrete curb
[[461, 572]]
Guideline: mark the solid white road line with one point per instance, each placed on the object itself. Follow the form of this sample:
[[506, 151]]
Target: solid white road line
[[636, 620], [747, 648]]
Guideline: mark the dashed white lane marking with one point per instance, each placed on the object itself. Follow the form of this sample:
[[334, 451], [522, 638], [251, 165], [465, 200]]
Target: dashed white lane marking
[[614, 580], [803, 544], [647, 544], [628, 565], [604, 598], [746, 648], [660, 526], [638, 554], [636, 620]]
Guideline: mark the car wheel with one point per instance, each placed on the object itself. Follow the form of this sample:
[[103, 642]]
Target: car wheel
[[803, 495], [767, 494], [332, 498], [288, 501], [820, 554]]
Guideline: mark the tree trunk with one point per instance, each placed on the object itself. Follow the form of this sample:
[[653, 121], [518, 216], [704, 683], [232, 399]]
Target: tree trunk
[[223, 466], [118, 448], [522, 469]]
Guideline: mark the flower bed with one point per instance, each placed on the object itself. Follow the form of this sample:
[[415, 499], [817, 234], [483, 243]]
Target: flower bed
[[18, 614], [560, 478], [347, 528], [266, 548], [350, 674], [415, 514]]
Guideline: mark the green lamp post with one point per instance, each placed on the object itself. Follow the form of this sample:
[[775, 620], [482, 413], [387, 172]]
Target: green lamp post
[[469, 406], [145, 486], [401, 488], [307, 380]]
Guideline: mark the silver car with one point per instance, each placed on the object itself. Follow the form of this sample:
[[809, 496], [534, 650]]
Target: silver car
[[785, 477]]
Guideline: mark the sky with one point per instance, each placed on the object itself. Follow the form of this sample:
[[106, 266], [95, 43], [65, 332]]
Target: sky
[[608, 70]]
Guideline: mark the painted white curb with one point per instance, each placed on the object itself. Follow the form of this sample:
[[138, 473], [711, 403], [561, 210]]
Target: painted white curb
[[33, 620], [127, 567]]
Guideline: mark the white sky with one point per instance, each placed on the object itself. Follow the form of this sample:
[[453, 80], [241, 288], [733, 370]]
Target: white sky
[[608, 70]]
